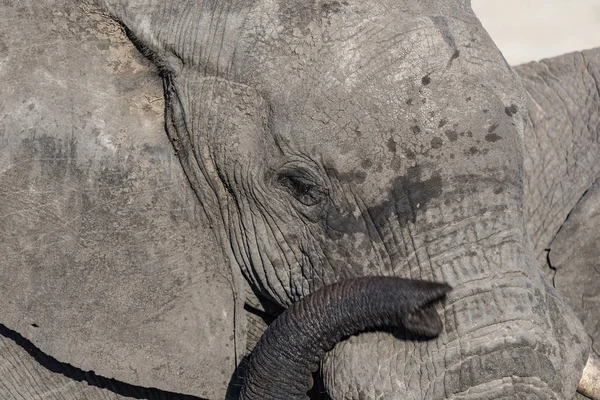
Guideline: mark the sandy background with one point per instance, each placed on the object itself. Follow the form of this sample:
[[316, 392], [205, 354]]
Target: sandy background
[[527, 30]]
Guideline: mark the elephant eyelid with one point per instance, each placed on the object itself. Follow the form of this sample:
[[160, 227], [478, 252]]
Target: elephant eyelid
[[302, 186]]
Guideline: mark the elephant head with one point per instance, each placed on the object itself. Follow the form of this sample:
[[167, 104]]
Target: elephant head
[[328, 141], [333, 140]]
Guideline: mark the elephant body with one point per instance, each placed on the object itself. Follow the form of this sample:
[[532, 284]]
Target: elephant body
[[159, 264]]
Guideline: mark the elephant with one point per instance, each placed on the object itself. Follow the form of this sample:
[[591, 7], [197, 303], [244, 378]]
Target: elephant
[[306, 146]]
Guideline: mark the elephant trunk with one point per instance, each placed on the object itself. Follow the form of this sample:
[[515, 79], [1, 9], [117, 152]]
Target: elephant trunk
[[283, 361], [589, 385]]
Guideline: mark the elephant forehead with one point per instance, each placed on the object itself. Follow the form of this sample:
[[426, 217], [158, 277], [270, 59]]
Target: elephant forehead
[[367, 60], [417, 124], [342, 42]]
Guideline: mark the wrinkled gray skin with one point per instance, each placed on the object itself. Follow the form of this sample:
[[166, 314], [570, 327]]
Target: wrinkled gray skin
[[333, 140]]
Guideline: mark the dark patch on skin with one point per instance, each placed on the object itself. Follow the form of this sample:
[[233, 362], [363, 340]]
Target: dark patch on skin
[[472, 151], [493, 127], [451, 135], [409, 101], [492, 137], [442, 123], [512, 110], [367, 163], [333, 7], [416, 129], [410, 154], [391, 145], [424, 101], [426, 80], [455, 55], [360, 176], [485, 111], [468, 99], [498, 190], [436, 143], [469, 134], [409, 195], [452, 156], [352, 177], [407, 192]]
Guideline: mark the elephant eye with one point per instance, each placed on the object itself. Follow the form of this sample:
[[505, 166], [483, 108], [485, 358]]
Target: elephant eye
[[303, 188]]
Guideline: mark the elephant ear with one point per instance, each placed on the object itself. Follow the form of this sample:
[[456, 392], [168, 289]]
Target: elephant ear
[[108, 262]]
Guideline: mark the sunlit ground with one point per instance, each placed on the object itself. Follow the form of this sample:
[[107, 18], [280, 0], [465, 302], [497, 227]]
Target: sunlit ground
[[527, 30]]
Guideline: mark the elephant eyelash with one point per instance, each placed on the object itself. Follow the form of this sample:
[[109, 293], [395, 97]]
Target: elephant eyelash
[[302, 187]]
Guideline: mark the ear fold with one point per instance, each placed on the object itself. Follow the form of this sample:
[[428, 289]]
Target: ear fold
[[108, 262], [215, 123], [220, 130], [200, 33]]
